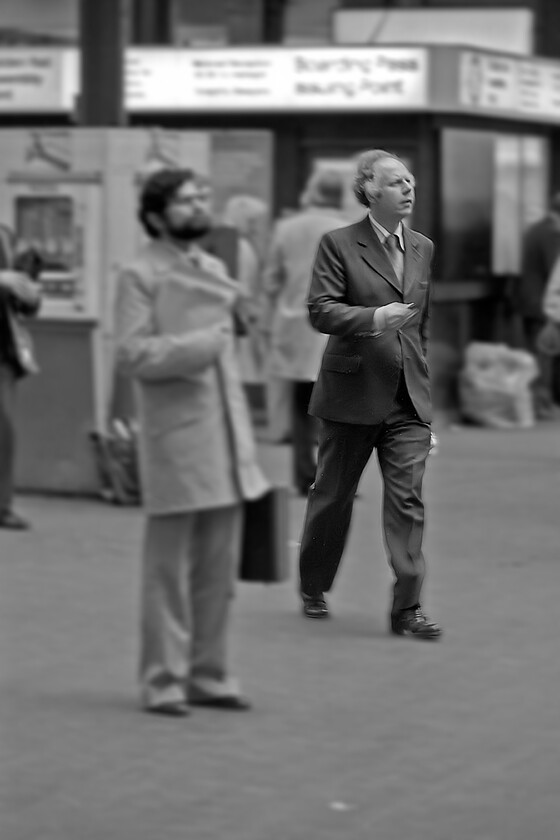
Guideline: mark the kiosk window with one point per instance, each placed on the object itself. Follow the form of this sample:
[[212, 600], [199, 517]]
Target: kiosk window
[[46, 223], [493, 185]]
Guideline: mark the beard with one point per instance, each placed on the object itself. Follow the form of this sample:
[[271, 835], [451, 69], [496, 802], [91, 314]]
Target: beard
[[188, 231]]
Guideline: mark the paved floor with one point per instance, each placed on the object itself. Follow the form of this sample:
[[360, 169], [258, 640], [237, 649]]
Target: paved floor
[[355, 734]]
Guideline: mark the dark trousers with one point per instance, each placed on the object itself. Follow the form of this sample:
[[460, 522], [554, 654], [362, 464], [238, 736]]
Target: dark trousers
[[304, 436], [7, 435], [402, 442]]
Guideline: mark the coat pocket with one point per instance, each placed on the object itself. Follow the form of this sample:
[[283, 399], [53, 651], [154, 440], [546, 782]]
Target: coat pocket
[[341, 364]]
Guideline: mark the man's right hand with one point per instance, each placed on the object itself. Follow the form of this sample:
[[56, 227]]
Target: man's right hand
[[393, 316]]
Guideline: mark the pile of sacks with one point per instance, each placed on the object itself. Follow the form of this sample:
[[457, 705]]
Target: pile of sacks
[[494, 386]]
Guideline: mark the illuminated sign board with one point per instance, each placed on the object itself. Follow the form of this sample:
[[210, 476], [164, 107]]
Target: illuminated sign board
[[277, 80], [289, 79], [35, 79], [500, 83]]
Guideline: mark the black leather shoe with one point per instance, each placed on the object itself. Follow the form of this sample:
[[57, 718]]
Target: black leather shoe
[[414, 623], [177, 708], [314, 606], [230, 703], [11, 520]]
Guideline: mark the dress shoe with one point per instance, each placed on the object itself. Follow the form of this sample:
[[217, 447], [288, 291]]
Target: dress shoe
[[11, 520], [177, 708], [414, 623], [229, 702], [314, 606]]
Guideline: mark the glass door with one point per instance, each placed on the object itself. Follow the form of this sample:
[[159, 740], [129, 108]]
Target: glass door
[[493, 186]]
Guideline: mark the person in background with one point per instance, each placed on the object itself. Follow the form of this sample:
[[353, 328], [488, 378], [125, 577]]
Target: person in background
[[20, 297], [250, 216], [540, 250], [244, 217], [370, 293], [295, 347], [174, 326], [548, 340], [551, 299]]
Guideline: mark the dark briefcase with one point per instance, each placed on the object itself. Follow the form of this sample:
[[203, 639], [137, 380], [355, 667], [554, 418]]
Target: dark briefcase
[[264, 550]]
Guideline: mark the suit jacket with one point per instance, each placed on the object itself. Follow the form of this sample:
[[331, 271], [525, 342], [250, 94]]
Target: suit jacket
[[360, 370], [541, 247], [296, 348]]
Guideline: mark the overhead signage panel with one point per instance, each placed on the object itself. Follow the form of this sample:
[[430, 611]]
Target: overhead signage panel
[[528, 88], [297, 80], [32, 80], [276, 80]]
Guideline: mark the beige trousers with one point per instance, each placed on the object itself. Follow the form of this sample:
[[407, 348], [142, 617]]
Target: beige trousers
[[190, 563]]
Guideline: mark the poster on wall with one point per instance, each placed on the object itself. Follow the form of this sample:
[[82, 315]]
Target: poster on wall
[[61, 223], [46, 224]]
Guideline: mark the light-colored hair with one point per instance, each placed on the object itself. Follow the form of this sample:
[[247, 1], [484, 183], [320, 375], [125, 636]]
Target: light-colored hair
[[244, 212], [365, 172], [249, 215], [324, 188]]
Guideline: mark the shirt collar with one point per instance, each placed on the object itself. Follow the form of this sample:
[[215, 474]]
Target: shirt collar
[[383, 233]]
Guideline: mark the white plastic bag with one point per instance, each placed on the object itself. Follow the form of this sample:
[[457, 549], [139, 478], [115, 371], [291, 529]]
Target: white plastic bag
[[494, 386]]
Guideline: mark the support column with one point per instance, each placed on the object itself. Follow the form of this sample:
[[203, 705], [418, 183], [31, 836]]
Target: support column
[[104, 35], [152, 21]]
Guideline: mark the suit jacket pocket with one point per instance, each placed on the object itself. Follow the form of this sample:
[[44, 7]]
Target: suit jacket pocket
[[341, 364]]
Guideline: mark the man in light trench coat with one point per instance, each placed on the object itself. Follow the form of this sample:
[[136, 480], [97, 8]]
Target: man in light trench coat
[[197, 454]]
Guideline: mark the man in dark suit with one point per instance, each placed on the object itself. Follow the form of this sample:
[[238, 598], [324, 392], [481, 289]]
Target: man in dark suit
[[541, 249], [370, 292], [19, 295]]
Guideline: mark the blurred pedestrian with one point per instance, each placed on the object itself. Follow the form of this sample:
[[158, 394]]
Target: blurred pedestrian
[[370, 292], [548, 340], [541, 248], [174, 328], [20, 298], [245, 216], [251, 217], [551, 300], [295, 347]]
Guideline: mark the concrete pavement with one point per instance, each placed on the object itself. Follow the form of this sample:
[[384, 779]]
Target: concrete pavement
[[354, 734]]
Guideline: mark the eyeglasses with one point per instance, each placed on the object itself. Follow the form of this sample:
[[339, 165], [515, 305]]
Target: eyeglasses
[[189, 200]]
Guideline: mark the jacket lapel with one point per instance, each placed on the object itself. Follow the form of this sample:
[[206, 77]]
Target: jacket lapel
[[412, 261], [373, 253]]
